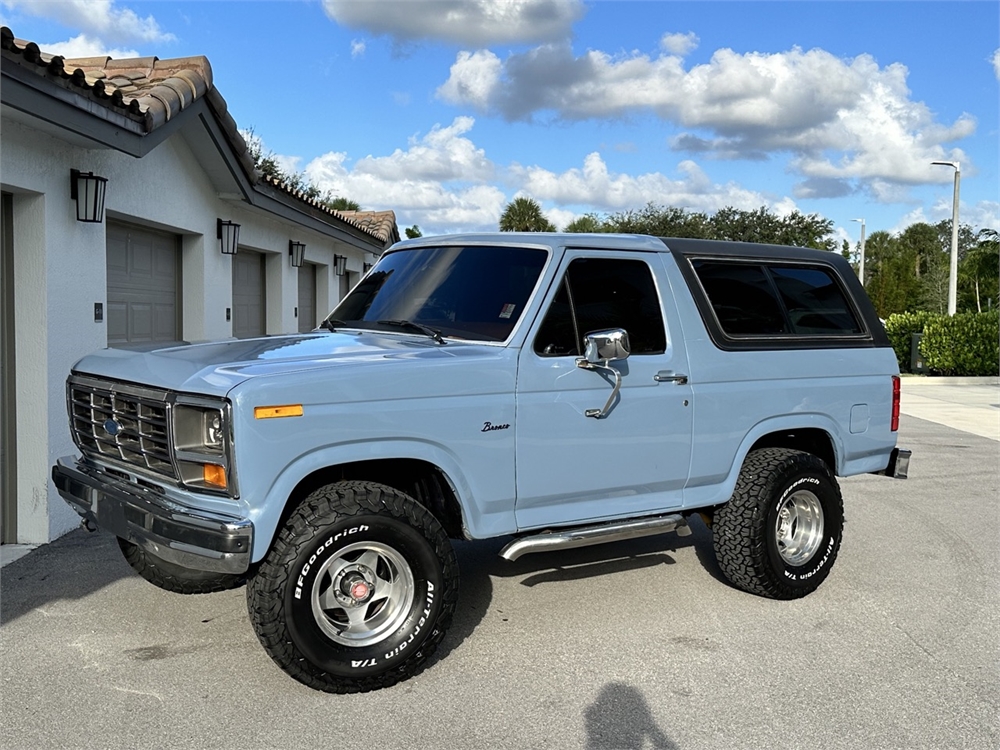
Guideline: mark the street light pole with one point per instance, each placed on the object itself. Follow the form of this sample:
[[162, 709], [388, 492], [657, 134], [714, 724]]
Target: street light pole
[[953, 270], [861, 264]]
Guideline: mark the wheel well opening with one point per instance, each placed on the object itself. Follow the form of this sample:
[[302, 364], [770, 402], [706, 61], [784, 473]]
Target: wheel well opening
[[421, 480], [809, 440]]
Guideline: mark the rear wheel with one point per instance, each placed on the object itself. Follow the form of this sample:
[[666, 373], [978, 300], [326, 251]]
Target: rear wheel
[[779, 534], [357, 591]]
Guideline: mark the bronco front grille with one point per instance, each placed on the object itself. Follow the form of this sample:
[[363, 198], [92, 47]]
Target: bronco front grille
[[122, 423]]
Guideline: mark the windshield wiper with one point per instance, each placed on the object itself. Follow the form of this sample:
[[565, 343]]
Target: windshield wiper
[[331, 324], [409, 324]]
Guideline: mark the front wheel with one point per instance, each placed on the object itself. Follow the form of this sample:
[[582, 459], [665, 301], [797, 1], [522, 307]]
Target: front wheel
[[357, 591], [779, 534]]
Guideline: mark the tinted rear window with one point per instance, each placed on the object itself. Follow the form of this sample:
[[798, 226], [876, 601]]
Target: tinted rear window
[[764, 299]]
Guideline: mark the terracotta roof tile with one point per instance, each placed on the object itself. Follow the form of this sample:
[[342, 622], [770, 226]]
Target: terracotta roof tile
[[382, 223], [150, 92], [383, 228]]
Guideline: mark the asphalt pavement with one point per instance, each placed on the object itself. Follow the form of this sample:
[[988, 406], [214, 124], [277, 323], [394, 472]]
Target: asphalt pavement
[[631, 645]]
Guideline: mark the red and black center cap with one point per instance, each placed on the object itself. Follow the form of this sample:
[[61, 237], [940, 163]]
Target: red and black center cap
[[360, 590]]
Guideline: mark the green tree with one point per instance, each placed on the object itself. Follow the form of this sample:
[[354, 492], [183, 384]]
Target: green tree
[[413, 232], [659, 221], [267, 165], [524, 215], [889, 277], [804, 230], [979, 273], [760, 225], [339, 203], [264, 162], [923, 243], [586, 223]]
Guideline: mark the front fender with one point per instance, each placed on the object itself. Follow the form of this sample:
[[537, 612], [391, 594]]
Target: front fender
[[497, 518]]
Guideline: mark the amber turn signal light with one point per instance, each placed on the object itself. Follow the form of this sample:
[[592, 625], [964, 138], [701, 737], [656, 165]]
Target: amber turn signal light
[[271, 412], [215, 475]]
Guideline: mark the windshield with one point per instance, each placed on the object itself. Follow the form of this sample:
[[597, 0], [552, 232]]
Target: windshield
[[464, 292]]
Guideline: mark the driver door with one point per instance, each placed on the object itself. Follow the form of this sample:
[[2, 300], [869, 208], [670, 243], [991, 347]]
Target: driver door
[[572, 468]]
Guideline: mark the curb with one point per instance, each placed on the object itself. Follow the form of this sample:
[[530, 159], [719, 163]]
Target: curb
[[922, 380]]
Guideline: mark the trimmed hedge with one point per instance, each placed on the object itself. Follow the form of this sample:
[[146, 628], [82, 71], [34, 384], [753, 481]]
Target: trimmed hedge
[[900, 328], [966, 344]]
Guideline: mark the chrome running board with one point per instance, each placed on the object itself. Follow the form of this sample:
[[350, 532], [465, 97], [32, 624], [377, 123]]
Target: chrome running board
[[585, 536]]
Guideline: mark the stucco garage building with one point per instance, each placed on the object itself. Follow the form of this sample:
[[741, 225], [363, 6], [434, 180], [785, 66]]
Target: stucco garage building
[[154, 267]]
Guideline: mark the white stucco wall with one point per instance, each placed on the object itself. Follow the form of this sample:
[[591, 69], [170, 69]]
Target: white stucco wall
[[60, 272]]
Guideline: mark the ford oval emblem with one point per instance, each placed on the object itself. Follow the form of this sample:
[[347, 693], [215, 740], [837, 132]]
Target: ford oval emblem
[[112, 427]]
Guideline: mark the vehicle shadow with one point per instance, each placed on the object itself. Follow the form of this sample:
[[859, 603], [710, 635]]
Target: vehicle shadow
[[620, 719], [69, 568], [479, 562]]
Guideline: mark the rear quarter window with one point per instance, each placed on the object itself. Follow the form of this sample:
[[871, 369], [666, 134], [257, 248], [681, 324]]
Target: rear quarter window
[[779, 301]]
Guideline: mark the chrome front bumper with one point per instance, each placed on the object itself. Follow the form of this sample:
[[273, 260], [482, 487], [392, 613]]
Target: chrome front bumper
[[194, 539]]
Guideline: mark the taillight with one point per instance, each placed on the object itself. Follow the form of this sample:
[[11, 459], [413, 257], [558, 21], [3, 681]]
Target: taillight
[[895, 403]]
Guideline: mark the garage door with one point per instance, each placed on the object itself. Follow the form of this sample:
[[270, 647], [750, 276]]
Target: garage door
[[248, 294], [143, 286], [307, 297]]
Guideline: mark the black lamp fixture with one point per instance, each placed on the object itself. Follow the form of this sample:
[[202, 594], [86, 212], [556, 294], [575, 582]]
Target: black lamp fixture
[[88, 190], [297, 251], [340, 264], [229, 236], [366, 267]]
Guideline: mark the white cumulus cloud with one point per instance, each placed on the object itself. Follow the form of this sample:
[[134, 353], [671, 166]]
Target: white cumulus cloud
[[102, 19], [839, 119], [679, 44], [465, 22], [84, 46], [996, 64], [595, 186], [357, 47], [441, 181]]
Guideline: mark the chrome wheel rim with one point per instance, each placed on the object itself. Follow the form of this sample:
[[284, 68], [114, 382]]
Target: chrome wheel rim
[[362, 594], [798, 530]]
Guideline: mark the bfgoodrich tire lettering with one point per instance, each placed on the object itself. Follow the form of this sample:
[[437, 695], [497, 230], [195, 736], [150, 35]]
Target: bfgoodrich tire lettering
[[357, 591], [779, 534]]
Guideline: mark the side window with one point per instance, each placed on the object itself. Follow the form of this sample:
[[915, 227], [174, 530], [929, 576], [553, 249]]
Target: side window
[[601, 293], [768, 299], [816, 305], [742, 297]]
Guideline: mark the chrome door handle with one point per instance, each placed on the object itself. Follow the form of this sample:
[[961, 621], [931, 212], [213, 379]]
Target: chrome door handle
[[669, 376]]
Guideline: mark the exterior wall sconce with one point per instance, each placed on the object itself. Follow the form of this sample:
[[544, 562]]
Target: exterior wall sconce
[[88, 190], [297, 252], [366, 267], [340, 264], [229, 236]]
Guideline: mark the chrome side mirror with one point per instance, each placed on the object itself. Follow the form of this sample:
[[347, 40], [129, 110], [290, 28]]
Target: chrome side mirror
[[600, 348]]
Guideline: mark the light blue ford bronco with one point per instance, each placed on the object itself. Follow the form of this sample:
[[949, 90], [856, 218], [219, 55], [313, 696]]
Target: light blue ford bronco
[[560, 390]]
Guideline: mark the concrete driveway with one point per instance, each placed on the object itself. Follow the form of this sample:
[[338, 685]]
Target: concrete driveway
[[632, 645]]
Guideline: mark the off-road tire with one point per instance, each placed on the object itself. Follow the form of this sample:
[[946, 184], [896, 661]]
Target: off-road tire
[[304, 584], [171, 577], [747, 529]]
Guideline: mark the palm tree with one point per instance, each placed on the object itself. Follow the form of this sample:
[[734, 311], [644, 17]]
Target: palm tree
[[524, 215]]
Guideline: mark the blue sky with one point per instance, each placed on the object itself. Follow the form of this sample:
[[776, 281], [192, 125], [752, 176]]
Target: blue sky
[[444, 111]]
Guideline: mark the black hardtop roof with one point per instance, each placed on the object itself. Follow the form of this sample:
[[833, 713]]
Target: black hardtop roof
[[686, 246], [631, 243]]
